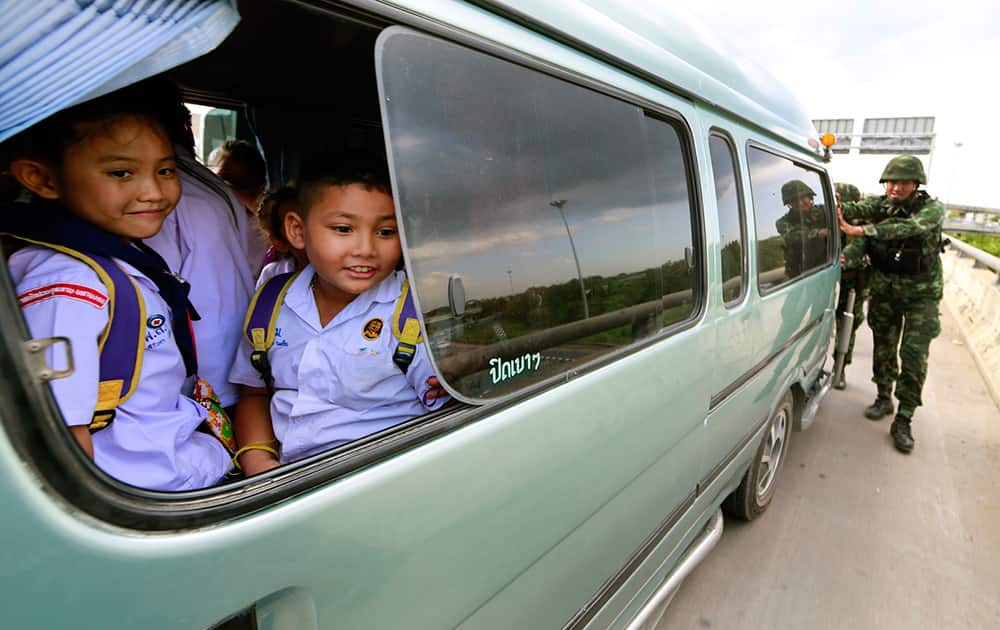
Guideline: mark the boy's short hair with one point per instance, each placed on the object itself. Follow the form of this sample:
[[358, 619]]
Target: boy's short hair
[[340, 169]]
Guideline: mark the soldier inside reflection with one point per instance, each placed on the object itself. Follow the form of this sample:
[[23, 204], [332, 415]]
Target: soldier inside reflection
[[803, 229]]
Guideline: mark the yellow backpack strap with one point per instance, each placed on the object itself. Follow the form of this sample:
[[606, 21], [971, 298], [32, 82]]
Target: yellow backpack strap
[[406, 329], [121, 345], [261, 320]]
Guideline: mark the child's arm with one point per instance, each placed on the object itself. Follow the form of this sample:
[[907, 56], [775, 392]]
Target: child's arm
[[253, 429], [60, 296], [82, 435], [424, 380]]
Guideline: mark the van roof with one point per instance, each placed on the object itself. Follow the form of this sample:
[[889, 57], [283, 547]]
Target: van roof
[[671, 49]]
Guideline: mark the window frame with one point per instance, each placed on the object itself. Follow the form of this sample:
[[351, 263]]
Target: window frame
[[824, 177], [726, 137], [34, 424], [649, 109]]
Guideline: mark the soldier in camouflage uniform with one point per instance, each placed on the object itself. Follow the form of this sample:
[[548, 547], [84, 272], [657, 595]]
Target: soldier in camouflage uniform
[[803, 229], [853, 277], [902, 237]]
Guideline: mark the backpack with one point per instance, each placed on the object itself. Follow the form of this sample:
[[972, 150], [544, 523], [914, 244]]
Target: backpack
[[121, 344], [262, 318]]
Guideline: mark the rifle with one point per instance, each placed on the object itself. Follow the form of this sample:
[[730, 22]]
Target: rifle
[[843, 341]]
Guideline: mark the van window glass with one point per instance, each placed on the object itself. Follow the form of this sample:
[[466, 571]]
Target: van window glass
[[212, 126], [562, 214], [792, 217], [732, 236]]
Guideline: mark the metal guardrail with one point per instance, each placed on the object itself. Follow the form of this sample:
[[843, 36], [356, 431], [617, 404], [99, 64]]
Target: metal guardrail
[[982, 258], [954, 225]]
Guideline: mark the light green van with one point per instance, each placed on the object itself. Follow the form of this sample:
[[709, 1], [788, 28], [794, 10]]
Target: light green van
[[629, 309]]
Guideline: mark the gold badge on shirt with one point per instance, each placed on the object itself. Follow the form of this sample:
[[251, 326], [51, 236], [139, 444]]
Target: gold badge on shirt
[[372, 329]]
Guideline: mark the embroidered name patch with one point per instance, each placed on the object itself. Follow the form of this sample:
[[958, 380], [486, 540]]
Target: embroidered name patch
[[61, 289], [372, 329]]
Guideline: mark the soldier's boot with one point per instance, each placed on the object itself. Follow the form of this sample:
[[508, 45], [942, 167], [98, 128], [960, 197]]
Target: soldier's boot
[[879, 409], [902, 439]]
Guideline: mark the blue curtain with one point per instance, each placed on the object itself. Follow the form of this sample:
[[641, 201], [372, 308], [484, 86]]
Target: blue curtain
[[56, 53]]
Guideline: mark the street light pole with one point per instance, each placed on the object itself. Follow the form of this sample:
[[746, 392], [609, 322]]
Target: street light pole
[[954, 171], [558, 205]]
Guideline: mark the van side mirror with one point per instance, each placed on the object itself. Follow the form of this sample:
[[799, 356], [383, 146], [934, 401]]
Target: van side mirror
[[456, 295]]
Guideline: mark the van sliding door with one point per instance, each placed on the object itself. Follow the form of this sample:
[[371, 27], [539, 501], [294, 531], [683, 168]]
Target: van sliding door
[[550, 237]]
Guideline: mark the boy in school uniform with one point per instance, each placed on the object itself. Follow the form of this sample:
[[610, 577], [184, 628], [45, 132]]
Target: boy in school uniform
[[102, 177], [334, 379]]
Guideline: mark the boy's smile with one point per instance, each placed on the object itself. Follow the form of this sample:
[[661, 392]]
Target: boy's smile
[[351, 240], [121, 177]]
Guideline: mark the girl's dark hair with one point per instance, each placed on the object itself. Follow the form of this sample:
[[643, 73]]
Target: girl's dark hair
[[49, 139], [340, 169], [270, 212]]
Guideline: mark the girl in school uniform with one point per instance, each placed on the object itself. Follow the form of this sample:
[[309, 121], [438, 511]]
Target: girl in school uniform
[[102, 178]]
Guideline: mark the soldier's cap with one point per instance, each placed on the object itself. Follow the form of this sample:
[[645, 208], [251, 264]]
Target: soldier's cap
[[848, 192], [904, 168], [794, 189]]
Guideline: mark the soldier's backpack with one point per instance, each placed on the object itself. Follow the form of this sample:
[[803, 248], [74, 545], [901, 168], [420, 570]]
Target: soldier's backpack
[[262, 318]]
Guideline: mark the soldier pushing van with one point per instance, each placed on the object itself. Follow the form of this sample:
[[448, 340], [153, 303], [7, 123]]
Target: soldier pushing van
[[902, 237]]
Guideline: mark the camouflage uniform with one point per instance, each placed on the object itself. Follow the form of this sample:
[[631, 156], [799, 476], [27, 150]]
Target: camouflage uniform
[[803, 232], [854, 275], [904, 302]]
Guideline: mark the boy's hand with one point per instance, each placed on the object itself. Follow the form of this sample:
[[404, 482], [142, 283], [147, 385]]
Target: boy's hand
[[435, 391]]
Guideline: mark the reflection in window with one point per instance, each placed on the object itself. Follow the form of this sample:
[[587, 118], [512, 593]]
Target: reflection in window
[[732, 238], [792, 218], [565, 213]]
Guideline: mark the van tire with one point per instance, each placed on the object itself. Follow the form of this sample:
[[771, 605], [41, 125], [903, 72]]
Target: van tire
[[756, 489]]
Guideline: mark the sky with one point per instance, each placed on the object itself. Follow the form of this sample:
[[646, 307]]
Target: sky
[[865, 59]]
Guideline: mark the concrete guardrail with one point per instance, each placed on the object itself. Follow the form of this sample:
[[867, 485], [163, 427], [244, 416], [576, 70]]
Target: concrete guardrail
[[972, 294]]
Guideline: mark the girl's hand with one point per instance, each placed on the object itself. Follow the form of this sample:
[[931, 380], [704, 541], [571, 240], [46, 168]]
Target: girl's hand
[[256, 462]]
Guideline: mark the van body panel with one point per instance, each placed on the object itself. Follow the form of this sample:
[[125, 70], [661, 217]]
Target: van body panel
[[447, 517]]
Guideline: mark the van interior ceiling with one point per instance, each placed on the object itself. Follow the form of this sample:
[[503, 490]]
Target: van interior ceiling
[[305, 76]]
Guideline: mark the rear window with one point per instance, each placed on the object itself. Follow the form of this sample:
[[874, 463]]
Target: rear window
[[546, 225]]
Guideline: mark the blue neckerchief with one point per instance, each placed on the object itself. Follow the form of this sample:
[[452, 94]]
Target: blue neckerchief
[[50, 223]]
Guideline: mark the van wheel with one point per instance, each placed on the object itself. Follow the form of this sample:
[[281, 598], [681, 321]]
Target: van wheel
[[754, 494]]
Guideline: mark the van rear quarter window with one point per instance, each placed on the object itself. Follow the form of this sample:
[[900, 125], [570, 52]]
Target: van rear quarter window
[[793, 219], [732, 235], [559, 217]]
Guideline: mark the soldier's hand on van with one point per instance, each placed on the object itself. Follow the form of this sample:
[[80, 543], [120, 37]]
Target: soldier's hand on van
[[847, 228]]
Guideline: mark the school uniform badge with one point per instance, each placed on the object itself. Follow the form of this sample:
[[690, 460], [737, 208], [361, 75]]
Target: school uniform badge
[[372, 329]]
